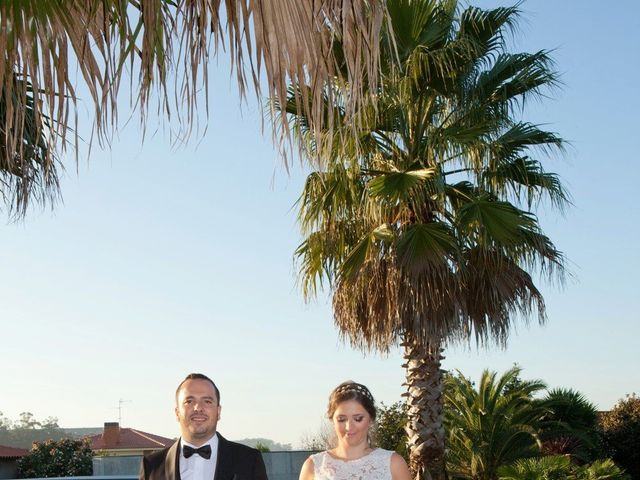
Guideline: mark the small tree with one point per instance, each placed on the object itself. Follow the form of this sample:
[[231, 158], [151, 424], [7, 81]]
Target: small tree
[[323, 439], [57, 458], [621, 432], [261, 447], [389, 432], [5, 423]]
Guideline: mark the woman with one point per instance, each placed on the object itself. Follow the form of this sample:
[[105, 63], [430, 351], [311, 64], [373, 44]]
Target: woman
[[352, 411]]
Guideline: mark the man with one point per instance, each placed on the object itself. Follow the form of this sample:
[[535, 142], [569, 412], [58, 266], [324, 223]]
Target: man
[[201, 453]]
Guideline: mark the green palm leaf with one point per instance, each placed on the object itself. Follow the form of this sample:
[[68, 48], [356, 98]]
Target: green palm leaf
[[486, 27], [521, 136], [545, 468], [356, 258], [399, 185], [528, 181], [494, 221], [512, 75], [426, 245]]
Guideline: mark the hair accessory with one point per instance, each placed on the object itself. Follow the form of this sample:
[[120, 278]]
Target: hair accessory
[[355, 387]]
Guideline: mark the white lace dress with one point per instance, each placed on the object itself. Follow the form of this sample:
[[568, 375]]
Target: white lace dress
[[373, 466]]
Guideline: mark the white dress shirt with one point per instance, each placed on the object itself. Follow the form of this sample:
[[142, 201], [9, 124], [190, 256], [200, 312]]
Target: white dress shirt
[[195, 467]]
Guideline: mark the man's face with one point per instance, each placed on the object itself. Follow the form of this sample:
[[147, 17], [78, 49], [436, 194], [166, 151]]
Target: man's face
[[197, 411]]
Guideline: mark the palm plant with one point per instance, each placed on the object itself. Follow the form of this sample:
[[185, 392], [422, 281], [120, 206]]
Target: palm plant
[[555, 467], [491, 426], [570, 426], [421, 222], [164, 47], [601, 470], [559, 467]]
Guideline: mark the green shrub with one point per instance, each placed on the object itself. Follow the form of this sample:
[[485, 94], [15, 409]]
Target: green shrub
[[621, 432], [57, 458]]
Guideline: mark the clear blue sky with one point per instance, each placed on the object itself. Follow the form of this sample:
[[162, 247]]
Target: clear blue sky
[[164, 261]]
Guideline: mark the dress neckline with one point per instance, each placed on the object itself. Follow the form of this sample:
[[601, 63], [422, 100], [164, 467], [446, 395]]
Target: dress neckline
[[332, 456]]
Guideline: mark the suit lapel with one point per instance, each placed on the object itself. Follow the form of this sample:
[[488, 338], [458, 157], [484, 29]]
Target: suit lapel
[[171, 466], [224, 463]]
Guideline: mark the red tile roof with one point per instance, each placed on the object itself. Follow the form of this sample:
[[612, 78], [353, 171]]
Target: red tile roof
[[12, 452], [131, 438]]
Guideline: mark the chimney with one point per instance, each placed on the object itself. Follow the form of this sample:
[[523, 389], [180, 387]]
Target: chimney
[[111, 434]]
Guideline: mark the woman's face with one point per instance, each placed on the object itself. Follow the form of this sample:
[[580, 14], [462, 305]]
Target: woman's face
[[351, 422]]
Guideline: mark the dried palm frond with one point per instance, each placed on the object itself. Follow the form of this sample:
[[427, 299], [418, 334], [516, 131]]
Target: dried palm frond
[[165, 47]]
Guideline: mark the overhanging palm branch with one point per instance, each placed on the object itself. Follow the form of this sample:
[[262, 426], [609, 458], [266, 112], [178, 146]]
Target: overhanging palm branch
[[33, 172], [163, 47]]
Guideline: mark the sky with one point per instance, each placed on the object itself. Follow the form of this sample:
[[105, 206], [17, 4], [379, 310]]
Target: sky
[[165, 260]]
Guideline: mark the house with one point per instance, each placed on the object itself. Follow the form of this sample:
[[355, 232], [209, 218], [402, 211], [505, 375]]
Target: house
[[9, 457], [117, 441], [118, 451]]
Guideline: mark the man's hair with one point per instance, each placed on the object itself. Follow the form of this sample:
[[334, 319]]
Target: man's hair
[[198, 376]]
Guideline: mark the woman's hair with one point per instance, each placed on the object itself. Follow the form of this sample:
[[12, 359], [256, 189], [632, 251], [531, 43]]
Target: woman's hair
[[351, 390]]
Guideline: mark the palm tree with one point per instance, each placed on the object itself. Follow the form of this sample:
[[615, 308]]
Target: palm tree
[[163, 47], [492, 425], [419, 217]]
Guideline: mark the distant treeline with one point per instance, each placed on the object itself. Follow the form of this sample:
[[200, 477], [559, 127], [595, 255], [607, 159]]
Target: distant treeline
[[265, 444], [27, 429]]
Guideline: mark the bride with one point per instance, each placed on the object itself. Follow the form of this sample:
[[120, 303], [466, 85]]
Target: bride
[[352, 411]]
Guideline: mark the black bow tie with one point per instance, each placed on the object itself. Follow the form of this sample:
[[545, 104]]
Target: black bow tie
[[204, 451]]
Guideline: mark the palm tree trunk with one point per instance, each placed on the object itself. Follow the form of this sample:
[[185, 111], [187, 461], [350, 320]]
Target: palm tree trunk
[[425, 425]]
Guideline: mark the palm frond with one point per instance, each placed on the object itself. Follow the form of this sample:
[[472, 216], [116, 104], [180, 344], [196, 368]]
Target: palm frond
[[395, 186], [424, 246], [497, 293], [165, 46], [527, 181], [417, 24], [521, 136], [490, 221], [486, 28], [514, 75], [32, 172], [356, 258]]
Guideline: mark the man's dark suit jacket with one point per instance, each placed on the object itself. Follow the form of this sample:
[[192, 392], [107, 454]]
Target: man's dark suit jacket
[[235, 462]]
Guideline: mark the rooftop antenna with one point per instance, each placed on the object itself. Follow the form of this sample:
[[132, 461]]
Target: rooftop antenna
[[120, 402]]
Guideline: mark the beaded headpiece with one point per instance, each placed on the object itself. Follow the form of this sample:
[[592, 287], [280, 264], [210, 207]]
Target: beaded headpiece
[[354, 387]]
